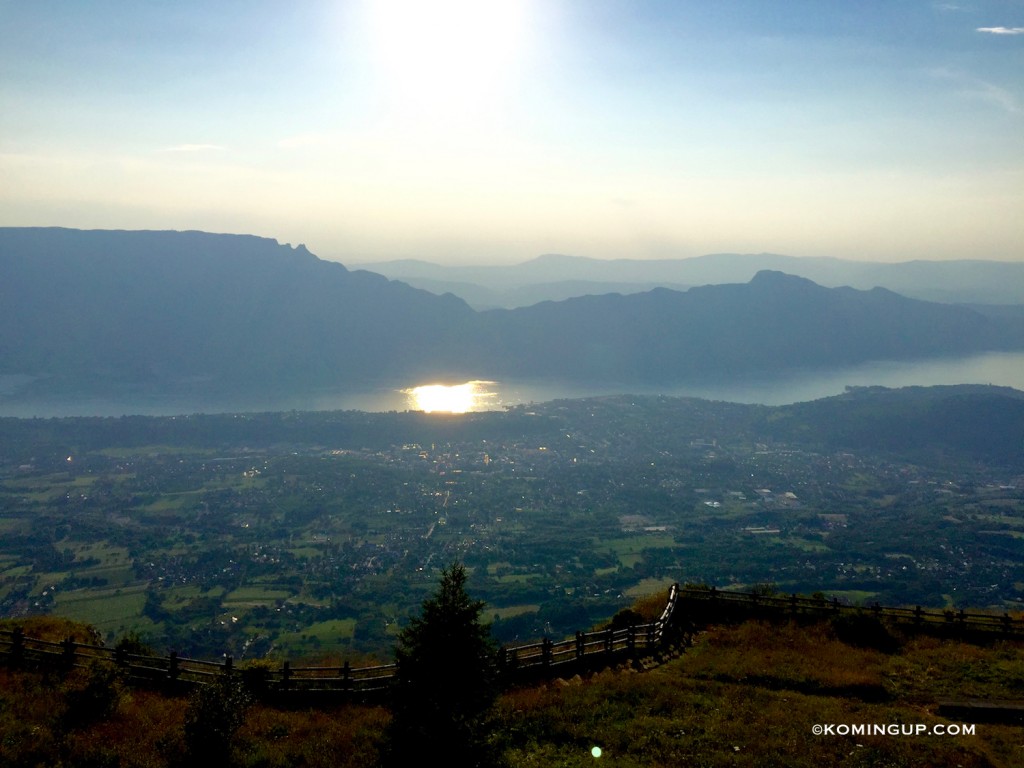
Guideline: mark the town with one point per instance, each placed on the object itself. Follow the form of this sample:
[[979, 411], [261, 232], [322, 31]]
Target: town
[[289, 535]]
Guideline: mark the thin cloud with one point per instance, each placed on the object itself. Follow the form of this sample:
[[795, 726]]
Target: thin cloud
[[982, 90], [1002, 30], [1000, 97], [193, 148]]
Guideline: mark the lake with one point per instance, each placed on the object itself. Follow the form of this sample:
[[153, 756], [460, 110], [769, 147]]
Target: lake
[[1002, 369]]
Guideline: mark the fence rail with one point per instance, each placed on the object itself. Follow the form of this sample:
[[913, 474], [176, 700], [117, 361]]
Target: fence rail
[[710, 602], [286, 681], [684, 609]]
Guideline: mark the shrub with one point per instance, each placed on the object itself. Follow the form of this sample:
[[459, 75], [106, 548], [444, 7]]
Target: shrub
[[133, 644], [91, 695], [864, 631], [214, 713]]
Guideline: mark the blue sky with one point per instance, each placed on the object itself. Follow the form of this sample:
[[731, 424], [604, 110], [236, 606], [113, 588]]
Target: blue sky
[[491, 132]]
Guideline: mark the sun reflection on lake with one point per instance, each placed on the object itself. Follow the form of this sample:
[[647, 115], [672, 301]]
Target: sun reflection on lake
[[455, 398]]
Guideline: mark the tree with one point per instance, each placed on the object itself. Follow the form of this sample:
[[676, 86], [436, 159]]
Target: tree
[[214, 713], [446, 681]]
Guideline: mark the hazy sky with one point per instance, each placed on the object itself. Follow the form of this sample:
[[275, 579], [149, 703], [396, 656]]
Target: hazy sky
[[465, 131]]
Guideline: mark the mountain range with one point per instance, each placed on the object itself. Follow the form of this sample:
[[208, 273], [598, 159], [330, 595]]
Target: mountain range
[[88, 310], [554, 277]]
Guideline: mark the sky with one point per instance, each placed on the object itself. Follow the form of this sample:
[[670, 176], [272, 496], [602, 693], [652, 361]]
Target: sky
[[493, 131]]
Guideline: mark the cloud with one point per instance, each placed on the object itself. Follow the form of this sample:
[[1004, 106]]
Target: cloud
[[1000, 97], [193, 148], [982, 90], [1002, 30]]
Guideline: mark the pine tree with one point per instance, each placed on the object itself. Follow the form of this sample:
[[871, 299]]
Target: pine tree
[[447, 681]]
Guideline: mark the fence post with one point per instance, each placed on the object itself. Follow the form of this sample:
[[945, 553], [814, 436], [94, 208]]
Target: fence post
[[792, 603], [229, 664], [918, 615], [346, 673], [579, 645], [609, 641], [17, 645], [1007, 623], [631, 638], [172, 668], [546, 652], [286, 675], [68, 653]]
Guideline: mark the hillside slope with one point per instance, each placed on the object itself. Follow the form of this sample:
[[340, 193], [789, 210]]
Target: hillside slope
[[91, 309], [747, 695], [152, 306]]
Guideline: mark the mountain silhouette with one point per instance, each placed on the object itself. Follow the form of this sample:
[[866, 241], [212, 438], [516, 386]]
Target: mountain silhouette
[[85, 309]]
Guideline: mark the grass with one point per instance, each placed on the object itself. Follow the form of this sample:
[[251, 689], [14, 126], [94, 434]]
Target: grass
[[629, 550], [305, 552], [11, 525], [333, 631], [749, 696], [516, 578], [854, 596], [745, 695], [804, 545], [168, 502], [510, 611], [107, 610], [649, 587], [255, 595], [178, 597]]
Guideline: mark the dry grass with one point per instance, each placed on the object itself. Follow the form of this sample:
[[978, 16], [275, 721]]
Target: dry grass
[[746, 695], [749, 695]]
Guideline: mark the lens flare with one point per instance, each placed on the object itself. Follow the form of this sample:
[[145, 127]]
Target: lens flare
[[454, 398]]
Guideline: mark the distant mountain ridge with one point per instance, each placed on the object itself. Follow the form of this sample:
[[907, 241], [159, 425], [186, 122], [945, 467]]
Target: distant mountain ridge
[[94, 309], [194, 305], [555, 277], [773, 323]]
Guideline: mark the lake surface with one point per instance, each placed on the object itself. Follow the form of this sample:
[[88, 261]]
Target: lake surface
[[1002, 369]]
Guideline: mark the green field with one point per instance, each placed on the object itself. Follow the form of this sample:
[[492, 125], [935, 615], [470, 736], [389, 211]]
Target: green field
[[512, 610], [855, 596], [255, 595], [630, 549], [111, 611], [322, 635], [650, 587]]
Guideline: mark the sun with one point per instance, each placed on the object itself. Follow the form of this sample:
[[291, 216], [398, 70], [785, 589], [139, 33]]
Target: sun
[[445, 54], [456, 398]]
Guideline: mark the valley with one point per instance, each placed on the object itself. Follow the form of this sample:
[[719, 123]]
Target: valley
[[297, 534]]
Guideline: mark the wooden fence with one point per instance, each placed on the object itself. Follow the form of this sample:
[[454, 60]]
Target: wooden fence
[[590, 649], [685, 609], [715, 605], [285, 682]]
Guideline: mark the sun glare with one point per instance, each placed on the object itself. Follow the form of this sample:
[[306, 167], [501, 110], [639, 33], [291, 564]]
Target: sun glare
[[445, 53], [457, 398]]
